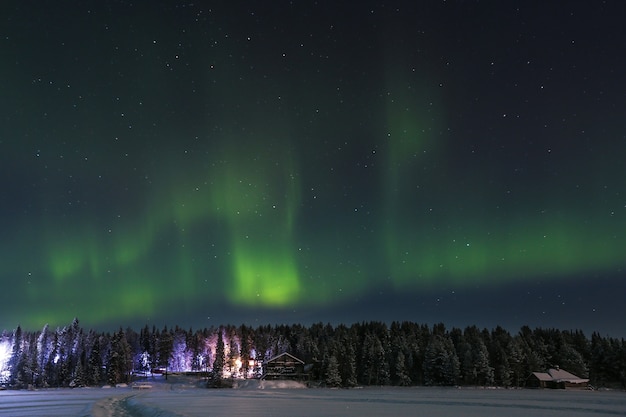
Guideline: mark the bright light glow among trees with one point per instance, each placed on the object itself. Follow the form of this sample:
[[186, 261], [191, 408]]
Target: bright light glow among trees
[[5, 356]]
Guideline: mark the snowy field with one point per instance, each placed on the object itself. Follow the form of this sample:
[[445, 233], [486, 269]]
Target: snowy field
[[166, 400]]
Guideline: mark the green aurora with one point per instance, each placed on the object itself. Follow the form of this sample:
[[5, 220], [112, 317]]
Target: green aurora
[[238, 233], [188, 170]]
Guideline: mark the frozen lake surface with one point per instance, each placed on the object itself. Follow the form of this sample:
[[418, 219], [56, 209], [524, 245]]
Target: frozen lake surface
[[166, 400]]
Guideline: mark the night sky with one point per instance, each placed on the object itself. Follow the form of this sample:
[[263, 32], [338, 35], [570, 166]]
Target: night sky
[[274, 162]]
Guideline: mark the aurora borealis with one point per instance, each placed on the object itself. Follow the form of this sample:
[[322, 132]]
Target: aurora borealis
[[205, 163]]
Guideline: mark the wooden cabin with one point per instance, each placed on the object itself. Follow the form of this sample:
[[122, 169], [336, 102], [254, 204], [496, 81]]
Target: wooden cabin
[[284, 366], [556, 378]]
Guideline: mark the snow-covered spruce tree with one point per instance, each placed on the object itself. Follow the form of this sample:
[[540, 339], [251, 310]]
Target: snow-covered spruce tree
[[402, 377], [218, 363], [32, 371], [51, 370], [572, 360], [181, 359], [43, 352], [244, 350], [516, 360], [119, 359], [94, 364], [484, 372], [333, 377], [142, 358], [195, 352], [375, 365], [399, 347], [502, 373], [471, 349], [112, 363], [441, 364], [80, 374], [348, 368], [451, 371], [499, 352], [16, 363], [165, 349], [233, 354]]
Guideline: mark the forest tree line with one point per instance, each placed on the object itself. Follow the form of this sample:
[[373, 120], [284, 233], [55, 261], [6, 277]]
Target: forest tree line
[[368, 353]]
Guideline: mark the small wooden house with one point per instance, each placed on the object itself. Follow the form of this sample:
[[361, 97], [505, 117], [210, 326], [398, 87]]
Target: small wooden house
[[284, 366], [556, 378]]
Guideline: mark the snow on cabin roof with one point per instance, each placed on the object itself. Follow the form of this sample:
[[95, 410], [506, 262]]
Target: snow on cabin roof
[[285, 354], [542, 376], [562, 375], [558, 375]]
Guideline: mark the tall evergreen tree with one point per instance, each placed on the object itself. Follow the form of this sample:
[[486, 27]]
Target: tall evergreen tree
[[441, 364], [32, 370], [244, 350], [119, 360], [165, 349], [43, 351], [402, 377], [218, 363], [333, 377], [348, 363], [17, 361], [233, 355], [94, 364], [500, 352], [80, 374]]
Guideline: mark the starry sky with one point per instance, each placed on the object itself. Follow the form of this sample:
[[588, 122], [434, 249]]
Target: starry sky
[[204, 163]]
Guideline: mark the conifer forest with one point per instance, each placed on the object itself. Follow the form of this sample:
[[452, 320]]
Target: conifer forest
[[367, 353]]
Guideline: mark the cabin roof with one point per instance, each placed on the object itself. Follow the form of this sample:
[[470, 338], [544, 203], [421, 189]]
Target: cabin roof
[[542, 376], [563, 375], [558, 375], [285, 354]]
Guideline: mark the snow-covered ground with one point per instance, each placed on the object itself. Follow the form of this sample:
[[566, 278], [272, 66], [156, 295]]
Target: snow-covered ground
[[185, 399]]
